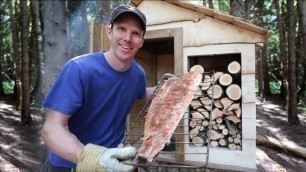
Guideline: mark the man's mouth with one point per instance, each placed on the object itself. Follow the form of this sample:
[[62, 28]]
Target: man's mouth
[[126, 47]]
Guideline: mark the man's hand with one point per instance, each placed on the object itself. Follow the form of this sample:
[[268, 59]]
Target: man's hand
[[98, 158]]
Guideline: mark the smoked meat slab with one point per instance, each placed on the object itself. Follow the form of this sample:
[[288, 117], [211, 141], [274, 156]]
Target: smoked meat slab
[[166, 111]]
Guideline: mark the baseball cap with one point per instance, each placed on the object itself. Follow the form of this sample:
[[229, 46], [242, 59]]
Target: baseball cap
[[128, 9]]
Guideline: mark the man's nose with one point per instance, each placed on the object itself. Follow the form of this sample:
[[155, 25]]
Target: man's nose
[[127, 37]]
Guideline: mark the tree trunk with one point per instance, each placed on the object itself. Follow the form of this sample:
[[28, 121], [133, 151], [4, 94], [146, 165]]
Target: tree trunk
[[233, 8], [248, 5], [266, 78], [302, 16], [56, 44], [35, 60], [259, 72], [283, 56], [16, 54], [210, 4], [1, 54], [292, 112], [25, 113]]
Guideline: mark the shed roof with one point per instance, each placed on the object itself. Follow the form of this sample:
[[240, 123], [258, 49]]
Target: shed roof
[[239, 22]]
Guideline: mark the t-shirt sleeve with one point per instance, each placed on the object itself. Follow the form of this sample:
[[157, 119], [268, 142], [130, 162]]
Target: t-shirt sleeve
[[66, 95]]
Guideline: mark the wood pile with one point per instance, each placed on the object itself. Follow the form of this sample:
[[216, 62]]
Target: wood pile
[[218, 94]]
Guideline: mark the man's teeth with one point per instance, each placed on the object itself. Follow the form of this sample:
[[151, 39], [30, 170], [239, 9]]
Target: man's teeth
[[126, 47]]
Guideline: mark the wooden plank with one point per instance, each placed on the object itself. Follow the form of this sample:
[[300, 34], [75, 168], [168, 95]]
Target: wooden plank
[[105, 42], [95, 36]]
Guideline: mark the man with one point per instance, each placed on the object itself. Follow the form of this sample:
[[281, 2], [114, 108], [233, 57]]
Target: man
[[91, 98]]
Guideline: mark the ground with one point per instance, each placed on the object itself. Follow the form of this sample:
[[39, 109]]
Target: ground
[[21, 147]]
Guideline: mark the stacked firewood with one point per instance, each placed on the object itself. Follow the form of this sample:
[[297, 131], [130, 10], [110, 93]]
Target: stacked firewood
[[218, 94]]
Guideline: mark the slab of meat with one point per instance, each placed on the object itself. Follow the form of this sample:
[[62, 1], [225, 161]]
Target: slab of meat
[[166, 111]]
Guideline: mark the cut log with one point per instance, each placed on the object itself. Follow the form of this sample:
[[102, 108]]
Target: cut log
[[206, 82], [219, 121], [237, 141], [216, 76], [238, 147], [218, 104], [193, 132], [222, 142], [214, 144], [205, 123], [226, 102], [225, 131], [232, 128], [193, 123], [218, 92], [214, 135], [234, 106], [233, 118], [230, 139], [215, 126], [239, 136], [225, 79], [233, 92], [198, 141], [227, 112], [201, 127], [284, 145], [238, 112], [196, 104], [234, 67], [198, 93], [232, 146], [221, 127], [216, 113], [208, 107], [197, 116], [206, 100]]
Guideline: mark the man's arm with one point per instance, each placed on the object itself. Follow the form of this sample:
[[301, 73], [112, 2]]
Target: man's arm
[[58, 138]]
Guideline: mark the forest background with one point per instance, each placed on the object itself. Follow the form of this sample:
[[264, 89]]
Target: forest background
[[38, 37]]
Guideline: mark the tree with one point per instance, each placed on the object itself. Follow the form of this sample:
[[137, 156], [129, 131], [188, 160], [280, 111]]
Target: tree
[[302, 17], [266, 79], [1, 53], [233, 8], [292, 112], [56, 44], [210, 4], [16, 50], [248, 5]]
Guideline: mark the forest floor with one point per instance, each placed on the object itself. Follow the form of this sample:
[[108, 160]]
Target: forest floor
[[21, 147]]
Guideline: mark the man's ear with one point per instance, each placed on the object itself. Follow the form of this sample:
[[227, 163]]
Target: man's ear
[[143, 39], [108, 30]]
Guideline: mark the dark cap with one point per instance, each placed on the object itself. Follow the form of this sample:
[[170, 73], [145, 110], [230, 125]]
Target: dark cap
[[128, 9]]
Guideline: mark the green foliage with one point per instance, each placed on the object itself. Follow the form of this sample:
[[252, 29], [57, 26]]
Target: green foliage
[[8, 87], [275, 87]]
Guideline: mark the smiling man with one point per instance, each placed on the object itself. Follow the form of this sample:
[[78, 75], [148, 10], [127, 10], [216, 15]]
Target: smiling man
[[91, 98]]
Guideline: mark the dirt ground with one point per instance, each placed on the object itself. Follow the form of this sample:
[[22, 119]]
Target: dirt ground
[[21, 147]]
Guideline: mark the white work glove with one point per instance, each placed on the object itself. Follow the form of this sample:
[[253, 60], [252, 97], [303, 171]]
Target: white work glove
[[98, 158]]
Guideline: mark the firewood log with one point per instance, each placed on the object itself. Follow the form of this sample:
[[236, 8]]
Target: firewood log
[[218, 91], [198, 93], [226, 102], [208, 107], [240, 126], [196, 104], [222, 142], [214, 135], [216, 76], [205, 100], [232, 146], [193, 123], [230, 139], [225, 79], [233, 118], [214, 144], [206, 82], [216, 113], [198, 141], [225, 131], [197, 116], [227, 112], [238, 135], [193, 132], [237, 140], [221, 127], [205, 123], [215, 126], [234, 67], [232, 128], [218, 104], [238, 112], [234, 106], [219, 120], [238, 147], [233, 92]]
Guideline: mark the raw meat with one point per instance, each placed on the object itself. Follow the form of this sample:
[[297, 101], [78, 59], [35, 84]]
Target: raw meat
[[166, 110]]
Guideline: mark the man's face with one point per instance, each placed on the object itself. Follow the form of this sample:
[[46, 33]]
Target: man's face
[[126, 37]]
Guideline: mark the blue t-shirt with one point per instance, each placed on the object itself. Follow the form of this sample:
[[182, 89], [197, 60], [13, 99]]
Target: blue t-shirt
[[97, 97]]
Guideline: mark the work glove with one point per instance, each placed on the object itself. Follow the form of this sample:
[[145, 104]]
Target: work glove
[[100, 159]]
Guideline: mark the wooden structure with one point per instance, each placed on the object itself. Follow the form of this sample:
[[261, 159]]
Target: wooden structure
[[180, 35]]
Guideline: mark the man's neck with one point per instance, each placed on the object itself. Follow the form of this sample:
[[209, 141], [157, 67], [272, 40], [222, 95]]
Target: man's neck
[[116, 63]]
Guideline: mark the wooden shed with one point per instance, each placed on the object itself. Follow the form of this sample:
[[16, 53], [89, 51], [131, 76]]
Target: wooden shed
[[181, 34]]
